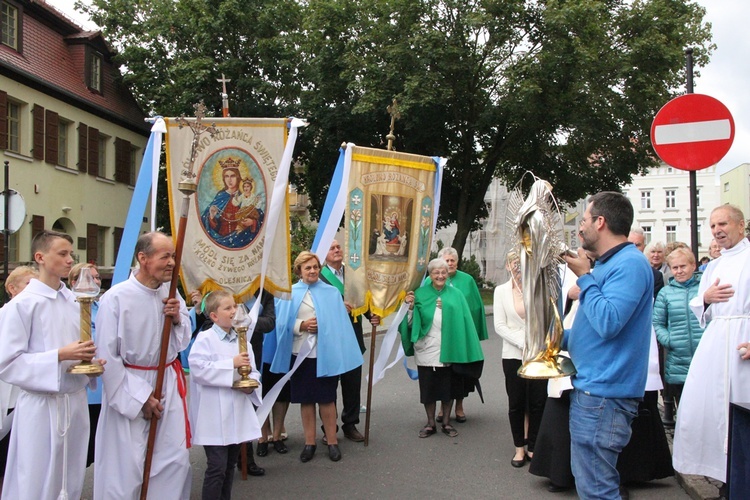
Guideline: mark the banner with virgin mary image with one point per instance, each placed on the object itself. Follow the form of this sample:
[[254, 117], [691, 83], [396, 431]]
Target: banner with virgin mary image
[[389, 222], [235, 167]]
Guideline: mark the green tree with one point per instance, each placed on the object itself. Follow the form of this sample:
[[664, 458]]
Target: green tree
[[564, 88], [172, 52]]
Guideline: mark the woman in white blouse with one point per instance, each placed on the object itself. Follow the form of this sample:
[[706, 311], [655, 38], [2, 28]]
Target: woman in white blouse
[[526, 397]]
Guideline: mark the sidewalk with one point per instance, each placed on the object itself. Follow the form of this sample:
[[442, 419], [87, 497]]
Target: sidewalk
[[698, 487]]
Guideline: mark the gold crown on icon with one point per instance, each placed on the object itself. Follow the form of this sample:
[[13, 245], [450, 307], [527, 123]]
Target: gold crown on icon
[[233, 163]]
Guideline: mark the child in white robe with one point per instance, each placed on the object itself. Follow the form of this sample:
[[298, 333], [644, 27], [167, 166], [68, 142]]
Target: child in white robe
[[41, 340], [221, 417]]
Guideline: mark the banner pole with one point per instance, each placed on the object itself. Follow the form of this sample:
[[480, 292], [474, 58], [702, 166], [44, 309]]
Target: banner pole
[[165, 334], [369, 384], [187, 187]]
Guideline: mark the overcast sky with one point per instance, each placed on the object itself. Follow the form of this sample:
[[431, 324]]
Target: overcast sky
[[727, 77]]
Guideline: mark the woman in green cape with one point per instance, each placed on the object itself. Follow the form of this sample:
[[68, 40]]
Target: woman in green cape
[[440, 333]]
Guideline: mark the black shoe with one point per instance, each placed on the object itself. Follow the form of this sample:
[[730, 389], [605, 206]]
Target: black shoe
[[254, 470], [518, 463], [334, 453], [280, 447], [262, 449], [307, 453], [553, 488], [352, 434]]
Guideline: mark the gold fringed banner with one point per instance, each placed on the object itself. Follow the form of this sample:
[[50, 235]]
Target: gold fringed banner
[[388, 227], [236, 170]]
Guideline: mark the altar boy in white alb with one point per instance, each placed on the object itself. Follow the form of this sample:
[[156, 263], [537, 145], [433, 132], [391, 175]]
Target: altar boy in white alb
[[221, 417], [39, 341], [129, 328]]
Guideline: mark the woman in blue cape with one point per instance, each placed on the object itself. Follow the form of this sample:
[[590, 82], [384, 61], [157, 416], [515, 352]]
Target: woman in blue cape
[[315, 320]]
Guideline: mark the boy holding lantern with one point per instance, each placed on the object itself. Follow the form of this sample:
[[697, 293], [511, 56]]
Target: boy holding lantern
[[221, 418]]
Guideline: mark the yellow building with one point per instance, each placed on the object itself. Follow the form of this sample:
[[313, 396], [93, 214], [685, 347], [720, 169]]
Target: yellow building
[[72, 134]]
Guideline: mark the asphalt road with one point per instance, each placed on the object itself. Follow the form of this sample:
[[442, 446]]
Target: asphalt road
[[398, 464]]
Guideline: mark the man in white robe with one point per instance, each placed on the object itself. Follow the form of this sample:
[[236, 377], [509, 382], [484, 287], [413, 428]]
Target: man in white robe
[[129, 325], [717, 375], [39, 341]]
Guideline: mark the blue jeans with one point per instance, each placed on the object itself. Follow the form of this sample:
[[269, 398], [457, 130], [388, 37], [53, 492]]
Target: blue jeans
[[599, 430]]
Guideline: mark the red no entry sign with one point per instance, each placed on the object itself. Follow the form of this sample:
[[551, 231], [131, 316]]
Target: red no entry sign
[[692, 132]]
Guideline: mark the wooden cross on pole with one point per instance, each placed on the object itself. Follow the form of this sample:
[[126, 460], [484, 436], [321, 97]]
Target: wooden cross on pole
[[187, 180], [395, 115], [224, 95]]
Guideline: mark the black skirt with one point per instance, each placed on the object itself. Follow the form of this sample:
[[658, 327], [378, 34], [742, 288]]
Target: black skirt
[[270, 379], [552, 448], [308, 388], [439, 384], [647, 456]]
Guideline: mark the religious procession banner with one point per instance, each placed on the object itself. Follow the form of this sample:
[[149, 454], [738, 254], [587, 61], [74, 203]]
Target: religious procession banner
[[389, 223], [236, 167]]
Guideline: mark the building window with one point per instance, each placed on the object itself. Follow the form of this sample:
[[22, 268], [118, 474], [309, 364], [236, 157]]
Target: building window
[[62, 142], [14, 127], [645, 199], [103, 156], [670, 198], [9, 25], [94, 72], [726, 187], [671, 233], [101, 247], [646, 234]]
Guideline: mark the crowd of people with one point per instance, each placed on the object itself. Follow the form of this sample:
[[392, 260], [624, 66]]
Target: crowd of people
[[596, 430]]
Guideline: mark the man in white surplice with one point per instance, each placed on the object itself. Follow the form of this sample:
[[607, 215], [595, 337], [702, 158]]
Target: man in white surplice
[[40, 335], [129, 325], [717, 375]]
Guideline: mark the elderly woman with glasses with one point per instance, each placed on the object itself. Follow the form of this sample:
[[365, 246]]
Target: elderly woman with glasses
[[440, 333]]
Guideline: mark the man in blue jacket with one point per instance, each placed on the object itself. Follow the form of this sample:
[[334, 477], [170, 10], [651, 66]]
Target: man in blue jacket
[[608, 343]]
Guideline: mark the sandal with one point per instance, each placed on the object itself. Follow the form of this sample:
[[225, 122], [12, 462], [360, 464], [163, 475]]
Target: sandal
[[427, 431], [449, 430]]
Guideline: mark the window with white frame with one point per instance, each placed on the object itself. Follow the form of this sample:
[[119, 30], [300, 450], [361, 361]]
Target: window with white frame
[[645, 199], [669, 195], [646, 234], [14, 127], [671, 233], [103, 140], [63, 133], [9, 25]]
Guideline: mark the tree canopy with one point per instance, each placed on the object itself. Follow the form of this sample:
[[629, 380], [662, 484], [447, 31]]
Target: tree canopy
[[566, 89]]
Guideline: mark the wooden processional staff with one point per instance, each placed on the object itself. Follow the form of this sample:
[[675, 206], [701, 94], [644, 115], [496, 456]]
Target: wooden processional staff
[[187, 187]]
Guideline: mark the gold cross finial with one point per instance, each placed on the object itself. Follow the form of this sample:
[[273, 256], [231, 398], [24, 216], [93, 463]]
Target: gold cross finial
[[395, 115], [187, 182]]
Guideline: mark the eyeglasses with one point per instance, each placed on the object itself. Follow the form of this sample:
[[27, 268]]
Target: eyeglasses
[[592, 219]]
